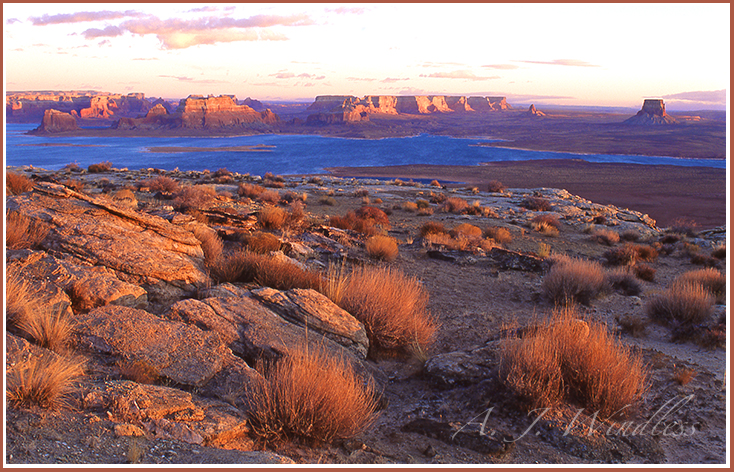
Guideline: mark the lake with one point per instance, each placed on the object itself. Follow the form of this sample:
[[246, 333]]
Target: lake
[[280, 154]]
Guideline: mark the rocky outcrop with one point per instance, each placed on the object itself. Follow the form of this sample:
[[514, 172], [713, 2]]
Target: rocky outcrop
[[532, 111], [347, 108], [55, 121], [92, 105], [652, 113], [139, 248]]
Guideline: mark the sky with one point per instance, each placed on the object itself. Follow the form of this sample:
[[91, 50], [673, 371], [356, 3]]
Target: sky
[[563, 54]]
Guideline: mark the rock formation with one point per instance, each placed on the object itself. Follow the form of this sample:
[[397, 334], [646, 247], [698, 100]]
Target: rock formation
[[55, 121], [347, 108], [31, 106], [652, 113], [533, 112]]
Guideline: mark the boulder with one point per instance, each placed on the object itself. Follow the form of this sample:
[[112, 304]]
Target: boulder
[[141, 249]]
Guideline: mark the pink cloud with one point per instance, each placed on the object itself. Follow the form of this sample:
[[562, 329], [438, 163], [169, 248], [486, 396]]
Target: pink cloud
[[82, 16], [563, 62], [458, 74]]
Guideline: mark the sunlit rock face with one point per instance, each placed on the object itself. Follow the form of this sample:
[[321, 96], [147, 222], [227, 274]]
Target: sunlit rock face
[[55, 121], [652, 113]]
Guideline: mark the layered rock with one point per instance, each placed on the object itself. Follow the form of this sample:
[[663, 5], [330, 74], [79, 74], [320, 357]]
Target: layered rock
[[31, 106], [55, 121], [652, 113], [532, 111]]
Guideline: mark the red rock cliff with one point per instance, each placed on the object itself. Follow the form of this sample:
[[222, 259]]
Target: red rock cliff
[[652, 113], [55, 121]]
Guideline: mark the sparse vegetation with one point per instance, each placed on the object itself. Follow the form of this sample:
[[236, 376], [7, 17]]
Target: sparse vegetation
[[384, 248], [624, 280], [310, 396], [496, 186], [44, 381], [537, 204], [261, 242], [22, 233], [498, 234], [605, 236], [684, 304], [15, 183], [160, 183], [99, 167], [710, 279], [454, 205], [574, 280], [272, 217], [193, 197]]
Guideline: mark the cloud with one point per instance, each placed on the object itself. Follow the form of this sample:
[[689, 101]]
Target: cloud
[[82, 16], [704, 96], [458, 74], [563, 62], [10, 21], [361, 79], [501, 66], [176, 33], [440, 64], [391, 80], [145, 59], [192, 80], [348, 10]]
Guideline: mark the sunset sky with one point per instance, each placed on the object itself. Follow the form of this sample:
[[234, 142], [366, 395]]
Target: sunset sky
[[565, 54]]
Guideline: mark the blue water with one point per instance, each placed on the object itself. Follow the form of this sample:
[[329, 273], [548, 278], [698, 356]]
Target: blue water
[[290, 154]]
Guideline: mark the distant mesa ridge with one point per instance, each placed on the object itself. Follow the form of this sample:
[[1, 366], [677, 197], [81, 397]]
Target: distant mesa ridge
[[652, 113], [348, 108]]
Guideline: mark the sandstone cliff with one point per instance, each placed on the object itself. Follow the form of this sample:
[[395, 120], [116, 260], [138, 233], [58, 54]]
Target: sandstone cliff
[[55, 121], [31, 106], [532, 111], [347, 108], [652, 113]]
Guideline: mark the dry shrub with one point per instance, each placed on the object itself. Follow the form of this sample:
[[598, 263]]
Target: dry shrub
[[75, 184], [645, 272], [499, 234], [334, 284], [99, 167], [548, 220], [15, 183], [264, 270], [630, 235], [138, 371], [574, 280], [437, 198], [43, 381], [683, 225], [34, 318], [496, 186], [623, 279], [567, 359], [328, 201], [310, 396], [545, 229], [536, 204], [126, 197], [683, 375], [269, 196], [230, 267], [435, 183], [367, 220], [460, 243], [250, 191], [622, 255], [432, 227], [410, 206], [262, 243], [710, 279], [22, 233], [384, 248], [682, 304], [425, 211], [719, 251], [454, 205], [633, 325], [466, 230], [272, 217], [375, 214], [343, 222], [363, 192], [160, 183], [211, 244], [194, 197], [704, 260], [605, 236], [646, 253], [392, 306]]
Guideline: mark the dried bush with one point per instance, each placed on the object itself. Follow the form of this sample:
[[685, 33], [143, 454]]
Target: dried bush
[[328, 201], [409, 206], [499, 234], [435, 183], [684, 225], [374, 214], [633, 325], [624, 280], [545, 229], [719, 251], [646, 253], [262, 243], [683, 375], [710, 279], [384, 248], [630, 235], [548, 220], [393, 307], [99, 167], [571, 360], [460, 243], [160, 183], [138, 371], [310, 396], [432, 227], [269, 196], [536, 204], [343, 222], [272, 217], [250, 191], [22, 233], [466, 230], [125, 197], [623, 255], [76, 185], [211, 244], [704, 260], [645, 272], [605, 236], [574, 280], [43, 381], [278, 273], [496, 186], [437, 198], [454, 205], [15, 183], [683, 304], [193, 197]]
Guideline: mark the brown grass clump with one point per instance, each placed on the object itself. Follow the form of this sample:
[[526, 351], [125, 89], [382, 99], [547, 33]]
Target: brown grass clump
[[99, 167], [211, 244], [264, 270], [499, 234], [536, 204], [138, 371], [710, 279], [15, 183], [574, 280], [454, 205], [682, 304], [683, 375], [645, 272], [496, 186], [262, 243], [250, 191], [77, 185], [633, 325], [432, 227], [466, 230], [393, 307], [193, 197], [572, 360], [409, 206], [622, 255], [605, 236], [160, 183], [719, 251], [43, 381], [384, 248], [624, 280], [272, 217], [310, 396], [22, 233]]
